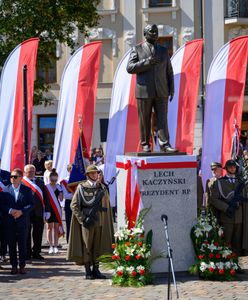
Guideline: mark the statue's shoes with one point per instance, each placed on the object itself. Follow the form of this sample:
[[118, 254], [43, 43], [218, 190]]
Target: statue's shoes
[[168, 149], [146, 148]]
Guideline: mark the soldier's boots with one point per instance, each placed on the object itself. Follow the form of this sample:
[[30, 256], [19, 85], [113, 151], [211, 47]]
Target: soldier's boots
[[88, 272], [96, 273]]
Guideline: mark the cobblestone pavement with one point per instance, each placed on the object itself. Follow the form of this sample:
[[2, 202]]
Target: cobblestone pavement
[[55, 278]]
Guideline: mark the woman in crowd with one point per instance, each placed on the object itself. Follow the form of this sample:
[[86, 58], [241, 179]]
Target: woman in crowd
[[39, 164], [55, 195], [48, 166]]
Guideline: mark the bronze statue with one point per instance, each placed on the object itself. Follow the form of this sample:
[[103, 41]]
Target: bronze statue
[[154, 86]]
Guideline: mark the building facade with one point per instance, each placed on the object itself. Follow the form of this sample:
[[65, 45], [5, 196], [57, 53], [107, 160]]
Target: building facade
[[121, 26]]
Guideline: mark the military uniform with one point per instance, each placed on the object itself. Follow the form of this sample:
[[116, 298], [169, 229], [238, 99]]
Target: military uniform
[[223, 192], [90, 237]]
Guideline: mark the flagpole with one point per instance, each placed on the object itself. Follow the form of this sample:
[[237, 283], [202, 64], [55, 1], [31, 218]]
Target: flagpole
[[202, 63], [25, 115]]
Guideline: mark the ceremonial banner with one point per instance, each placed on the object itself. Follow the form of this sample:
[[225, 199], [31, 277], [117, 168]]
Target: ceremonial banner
[[224, 102], [77, 98], [11, 103], [123, 127], [186, 63]]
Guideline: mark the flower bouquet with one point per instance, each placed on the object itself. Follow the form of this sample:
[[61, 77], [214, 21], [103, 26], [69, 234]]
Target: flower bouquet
[[214, 259], [131, 258]]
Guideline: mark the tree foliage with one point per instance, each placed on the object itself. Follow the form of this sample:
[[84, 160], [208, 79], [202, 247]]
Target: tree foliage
[[51, 21]]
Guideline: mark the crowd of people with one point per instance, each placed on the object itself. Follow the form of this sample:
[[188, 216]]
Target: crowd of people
[[32, 200]]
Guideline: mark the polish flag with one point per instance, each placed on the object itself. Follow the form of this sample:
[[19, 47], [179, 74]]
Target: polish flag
[[186, 63], [11, 103], [123, 129], [224, 102], [77, 102]]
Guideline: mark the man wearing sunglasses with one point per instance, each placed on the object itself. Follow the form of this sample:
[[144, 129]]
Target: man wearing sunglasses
[[16, 204]]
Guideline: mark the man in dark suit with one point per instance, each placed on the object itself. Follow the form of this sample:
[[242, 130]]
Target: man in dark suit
[[154, 85], [39, 214], [16, 203]]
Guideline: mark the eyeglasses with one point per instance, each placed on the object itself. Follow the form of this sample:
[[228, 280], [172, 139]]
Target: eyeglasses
[[14, 176]]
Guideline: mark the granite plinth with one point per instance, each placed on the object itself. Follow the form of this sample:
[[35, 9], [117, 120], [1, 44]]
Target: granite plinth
[[167, 184], [149, 154]]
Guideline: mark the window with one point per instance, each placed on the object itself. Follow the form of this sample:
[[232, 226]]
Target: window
[[160, 3], [167, 41], [47, 73], [46, 131], [103, 129]]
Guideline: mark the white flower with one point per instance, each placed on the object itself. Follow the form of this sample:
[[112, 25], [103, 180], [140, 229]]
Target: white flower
[[140, 267], [130, 251], [137, 230], [207, 227], [130, 269], [203, 266], [198, 232], [212, 265], [220, 265], [226, 252], [120, 268], [212, 247]]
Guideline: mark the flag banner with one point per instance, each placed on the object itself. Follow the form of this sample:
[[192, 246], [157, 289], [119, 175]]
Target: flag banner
[[81, 161], [11, 103], [224, 102], [123, 127], [186, 63], [77, 98]]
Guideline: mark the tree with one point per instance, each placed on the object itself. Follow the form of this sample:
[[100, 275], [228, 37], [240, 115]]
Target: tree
[[52, 21]]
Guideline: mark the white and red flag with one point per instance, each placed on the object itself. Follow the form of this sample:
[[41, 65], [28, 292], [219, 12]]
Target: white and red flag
[[123, 128], [224, 102], [11, 103], [186, 63], [77, 99]]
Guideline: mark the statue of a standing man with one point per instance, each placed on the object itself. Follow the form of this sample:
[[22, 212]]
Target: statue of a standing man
[[154, 86]]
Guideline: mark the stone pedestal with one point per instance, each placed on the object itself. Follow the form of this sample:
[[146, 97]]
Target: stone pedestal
[[168, 185]]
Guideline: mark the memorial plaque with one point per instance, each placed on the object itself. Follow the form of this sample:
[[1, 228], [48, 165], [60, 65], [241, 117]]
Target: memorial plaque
[[168, 186]]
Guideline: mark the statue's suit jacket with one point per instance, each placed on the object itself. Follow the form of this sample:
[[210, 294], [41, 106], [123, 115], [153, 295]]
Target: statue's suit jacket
[[152, 80]]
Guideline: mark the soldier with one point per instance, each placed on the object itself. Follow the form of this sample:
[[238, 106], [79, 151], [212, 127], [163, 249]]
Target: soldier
[[224, 198], [216, 169], [91, 232]]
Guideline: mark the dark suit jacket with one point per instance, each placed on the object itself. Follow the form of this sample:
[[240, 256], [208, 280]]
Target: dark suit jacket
[[38, 208], [24, 203], [5, 177], [152, 80]]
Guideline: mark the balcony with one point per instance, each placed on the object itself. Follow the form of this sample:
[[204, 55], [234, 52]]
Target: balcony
[[236, 12]]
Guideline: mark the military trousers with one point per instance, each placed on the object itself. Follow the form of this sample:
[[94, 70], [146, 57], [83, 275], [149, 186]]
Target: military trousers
[[91, 239], [233, 235], [160, 106]]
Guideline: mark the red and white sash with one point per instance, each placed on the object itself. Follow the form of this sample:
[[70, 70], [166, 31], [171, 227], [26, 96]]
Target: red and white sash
[[56, 207], [35, 188], [1, 186], [64, 183]]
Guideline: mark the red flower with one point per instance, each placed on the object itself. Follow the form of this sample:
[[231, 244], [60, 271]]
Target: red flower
[[142, 235], [221, 272], [120, 273], [115, 257], [206, 243], [234, 254], [127, 244], [201, 256], [210, 255], [127, 257], [228, 257], [140, 244], [232, 272], [113, 246], [218, 255], [137, 256], [216, 244], [211, 270], [142, 272], [134, 273]]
